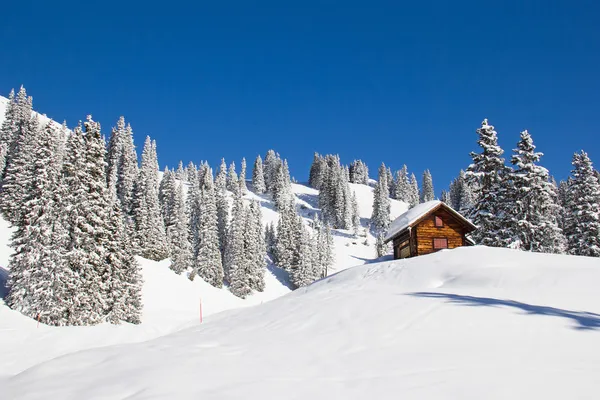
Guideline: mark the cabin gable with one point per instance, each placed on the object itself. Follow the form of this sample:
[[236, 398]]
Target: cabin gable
[[439, 230]]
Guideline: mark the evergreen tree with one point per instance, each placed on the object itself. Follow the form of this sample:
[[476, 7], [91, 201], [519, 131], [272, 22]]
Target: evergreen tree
[[150, 234], [402, 185], [166, 196], [236, 263], [535, 210], [271, 165], [315, 177], [582, 211], [271, 241], [355, 215], [380, 218], [221, 179], [232, 181], [87, 216], [305, 272], [258, 177], [180, 172], [122, 165], [281, 186], [16, 127], [427, 193], [7, 131], [208, 261], [255, 247], [286, 244], [445, 197], [242, 178], [359, 172], [489, 173], [380, 246], [180, 249], [191, 172], [19, 158], [38, 275], [461, 194], [413, 191], [390, 183]]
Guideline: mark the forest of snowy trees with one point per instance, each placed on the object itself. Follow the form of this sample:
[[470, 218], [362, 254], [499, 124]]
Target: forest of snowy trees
[[83, 208]]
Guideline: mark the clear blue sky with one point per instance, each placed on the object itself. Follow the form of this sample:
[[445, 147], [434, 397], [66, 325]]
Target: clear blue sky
[[399, 82]]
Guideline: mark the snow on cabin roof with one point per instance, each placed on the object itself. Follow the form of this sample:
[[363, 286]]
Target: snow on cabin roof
[[411, 216]]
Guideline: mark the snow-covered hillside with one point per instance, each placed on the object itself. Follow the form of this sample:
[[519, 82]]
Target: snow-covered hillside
[[468, 323]]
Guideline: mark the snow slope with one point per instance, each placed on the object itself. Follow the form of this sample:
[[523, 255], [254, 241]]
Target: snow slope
[[470, 323]]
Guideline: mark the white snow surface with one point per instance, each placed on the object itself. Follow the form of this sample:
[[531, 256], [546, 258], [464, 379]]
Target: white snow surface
[[409, 217], [469, 323]]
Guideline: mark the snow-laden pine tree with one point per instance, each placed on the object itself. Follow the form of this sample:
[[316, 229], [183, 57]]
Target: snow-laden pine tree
[[359, 172], [180, 174], [122, 167], [286, 244], [200, 174], [427, 193], [190, 172], [124, 279], [271, 241], [413, 191], [7, 131], [208, 260], [334, 194], [402, 185], [232, 180], [380, 218], [355, 215], [255, 247], [16, 125], [390, 182], [41, 284], [381, 247], [445, 196], [281, 186], [305, 272], [535, 209], [222, 206], [271, 165], [87, 214], [582, 210], [166, 196], [19, 158], [150, 237], [242, 178], [236, 262], [489, 174], [180, 248], [258, 177], [316, 174], [462, 197]]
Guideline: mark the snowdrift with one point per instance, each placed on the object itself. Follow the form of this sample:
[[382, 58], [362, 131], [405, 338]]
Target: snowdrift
[[469, 323]]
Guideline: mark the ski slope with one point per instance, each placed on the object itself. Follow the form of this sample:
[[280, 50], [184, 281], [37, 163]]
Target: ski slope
[[470, 323]]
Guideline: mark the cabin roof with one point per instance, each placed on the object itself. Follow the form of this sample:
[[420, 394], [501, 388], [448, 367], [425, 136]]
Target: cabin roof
[[416, 214]]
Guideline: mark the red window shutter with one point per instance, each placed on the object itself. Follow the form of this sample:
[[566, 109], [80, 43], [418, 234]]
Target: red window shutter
[[438, 222], [440, 243]]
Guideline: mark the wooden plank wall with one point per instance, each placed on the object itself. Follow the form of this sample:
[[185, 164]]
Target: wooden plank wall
[[426, 231]]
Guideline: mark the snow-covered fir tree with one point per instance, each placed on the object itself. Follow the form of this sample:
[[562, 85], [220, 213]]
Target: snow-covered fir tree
[[39, 278], [191, 171], [19, 157], [16, 125], [180, 248], [413, 191], [258, 177], [306, 270], [427, 193], [208, 261], [381, 247], [124, 279], [271, 241], [150, 237], [490, 175], [390, 183], [222, 205], [7, 131], [535, 210], [286, 245], [359, 172], [462, 197], [380, 218], [236, 262], [281, 186], [255, 247], [355, 215], [271, 165], [166, 196], [232, 180], [122, 167], [180, 172], [445, 196], [582, 209], [87, 215], [315, 176], [334, 194], [242, 178], [402, 185]]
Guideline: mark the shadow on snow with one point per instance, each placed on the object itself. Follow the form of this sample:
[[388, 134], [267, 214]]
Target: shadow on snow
[[583, 320], [3, 283]]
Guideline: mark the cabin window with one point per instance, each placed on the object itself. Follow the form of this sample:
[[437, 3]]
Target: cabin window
[[405, 252], [440, 243], [438, 221]]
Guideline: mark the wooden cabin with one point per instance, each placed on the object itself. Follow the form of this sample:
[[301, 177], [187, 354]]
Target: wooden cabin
[[428, 227]]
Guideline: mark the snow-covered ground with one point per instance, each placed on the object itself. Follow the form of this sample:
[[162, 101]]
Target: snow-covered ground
[[469, 323]]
